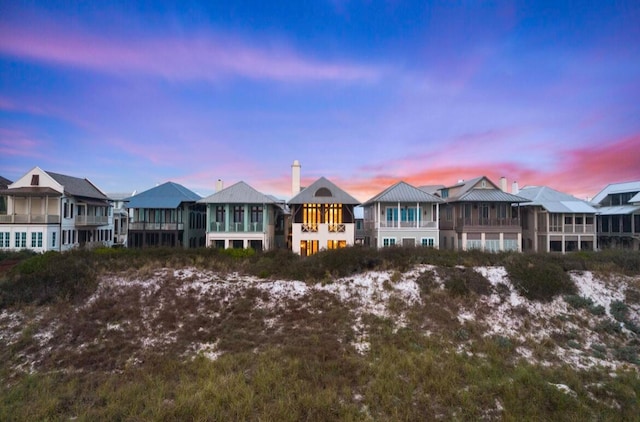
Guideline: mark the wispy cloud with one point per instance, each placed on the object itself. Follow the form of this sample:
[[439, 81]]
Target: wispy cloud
[[201, 56], [16, 143]]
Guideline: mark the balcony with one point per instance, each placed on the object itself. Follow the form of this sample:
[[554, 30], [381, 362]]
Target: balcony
[[408, 224], [485, 224], [156, 226], [237, 227], [91, 220], [29, 219], [309, 228], [569, 228], [336, 228]]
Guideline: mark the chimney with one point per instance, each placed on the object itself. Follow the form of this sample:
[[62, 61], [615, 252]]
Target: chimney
[[295, 178], [514, 188], [503, 184], [219, 185]]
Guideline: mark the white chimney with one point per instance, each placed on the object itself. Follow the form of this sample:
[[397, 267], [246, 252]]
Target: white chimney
[[295, 178], [219, 185], [503, 184], [514, 188]]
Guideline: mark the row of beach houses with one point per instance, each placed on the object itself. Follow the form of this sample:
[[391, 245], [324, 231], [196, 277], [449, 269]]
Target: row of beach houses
[[46, 211]]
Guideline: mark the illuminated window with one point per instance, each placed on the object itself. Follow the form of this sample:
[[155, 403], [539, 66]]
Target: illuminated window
[[333, 214], [308, 247], [336, 244]]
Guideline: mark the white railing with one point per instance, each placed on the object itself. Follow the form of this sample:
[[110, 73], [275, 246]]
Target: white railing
[[155, 226], [30, 218], [91, 220], [408, 224], [309, 228], [337, 228]]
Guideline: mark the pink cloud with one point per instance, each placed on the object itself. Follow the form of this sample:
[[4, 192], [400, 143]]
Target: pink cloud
[[202, 56], [15, 143]]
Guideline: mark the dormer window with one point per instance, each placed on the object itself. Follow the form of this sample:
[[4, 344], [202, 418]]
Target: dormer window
[[35, 180], [323, 192]]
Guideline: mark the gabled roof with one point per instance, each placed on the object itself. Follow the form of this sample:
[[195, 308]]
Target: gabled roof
[[167, 195], [75, 186], [469, 193], [4, 183], [432, 189], [554, 201], [616, 188], [239, 193], [403, 192], [315, 194]]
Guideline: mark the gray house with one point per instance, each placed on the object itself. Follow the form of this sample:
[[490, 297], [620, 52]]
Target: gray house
[[556, 222], [402, 215], [618, 219]]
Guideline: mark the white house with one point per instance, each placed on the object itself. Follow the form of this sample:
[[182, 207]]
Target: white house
[[402, 215], [322, 216], [47, 211]]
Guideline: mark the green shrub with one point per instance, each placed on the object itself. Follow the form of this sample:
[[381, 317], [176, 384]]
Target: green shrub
[[618, 310], [597, 310], [578, 302], [537, 278], [49, 277], [462, 281]]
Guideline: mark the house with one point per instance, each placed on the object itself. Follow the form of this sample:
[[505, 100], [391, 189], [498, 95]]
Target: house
[[402, 215], [166, 215], [556, 222], [241, 217], [47, 211], [358, 213], [618, 218], [476, 214], [120, 217], [322, 216]]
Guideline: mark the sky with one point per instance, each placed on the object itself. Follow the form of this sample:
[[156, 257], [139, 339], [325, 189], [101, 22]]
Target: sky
[[366, 93]]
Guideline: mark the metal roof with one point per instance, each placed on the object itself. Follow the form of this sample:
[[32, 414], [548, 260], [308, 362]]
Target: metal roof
[[239, 193], [167, 195], [487, 195], [4, 182], [619, 210], [403, 192], [555, 201], [75, 186], [616, 188], [309, 195], [432, 189], [635, 199], [30, 191]]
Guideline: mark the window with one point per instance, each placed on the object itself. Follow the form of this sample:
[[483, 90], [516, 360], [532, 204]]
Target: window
[[256, 214], [65, 209], [238, 214], [474, 244], [555, 222], [336, 244], [73, 236], [388, 241], [449, 213], [323, 192], [428, 242], [35, 180], [36, 239], [21, 240], [71, 211], [444, 193], [53, 239], [4, 240], [568, 219], [220, 214], [308, 247], [502, 211], [483, 213]]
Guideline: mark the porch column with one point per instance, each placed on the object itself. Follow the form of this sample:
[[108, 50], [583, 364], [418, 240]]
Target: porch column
[[418, 214], [399, 217]]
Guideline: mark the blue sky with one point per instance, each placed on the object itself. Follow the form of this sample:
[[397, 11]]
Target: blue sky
[[363, 93]]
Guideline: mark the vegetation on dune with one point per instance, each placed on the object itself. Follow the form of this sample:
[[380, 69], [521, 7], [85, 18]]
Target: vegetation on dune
[[296, 359]]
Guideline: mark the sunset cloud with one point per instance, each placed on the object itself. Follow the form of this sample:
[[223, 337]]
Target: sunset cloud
[[201, 56]]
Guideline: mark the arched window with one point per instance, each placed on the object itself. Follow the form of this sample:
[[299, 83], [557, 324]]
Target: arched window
[[323, 192]]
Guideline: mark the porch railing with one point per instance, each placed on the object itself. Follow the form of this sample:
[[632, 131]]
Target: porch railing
[[29, 218]]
